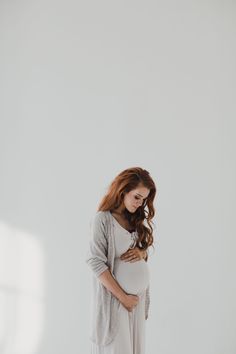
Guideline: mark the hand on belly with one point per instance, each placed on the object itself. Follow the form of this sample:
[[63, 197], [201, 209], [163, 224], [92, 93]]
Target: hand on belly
[[133, 277], [132, 255]]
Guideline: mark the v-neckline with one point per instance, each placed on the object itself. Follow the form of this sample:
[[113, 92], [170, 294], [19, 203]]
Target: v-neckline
[[121, 225]]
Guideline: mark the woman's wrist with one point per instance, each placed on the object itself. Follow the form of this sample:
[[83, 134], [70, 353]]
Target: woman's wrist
[[144, 254]]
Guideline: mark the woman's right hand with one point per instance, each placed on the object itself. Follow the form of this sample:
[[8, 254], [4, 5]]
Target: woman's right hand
[[130, 301]]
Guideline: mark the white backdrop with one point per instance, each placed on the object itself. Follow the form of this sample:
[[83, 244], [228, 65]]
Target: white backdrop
[[87, 90]]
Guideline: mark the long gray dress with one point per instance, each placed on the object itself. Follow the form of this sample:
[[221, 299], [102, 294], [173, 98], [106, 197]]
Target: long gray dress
[[134, 278]]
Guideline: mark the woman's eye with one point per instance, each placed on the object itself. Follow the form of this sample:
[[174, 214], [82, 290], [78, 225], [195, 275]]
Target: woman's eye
[[136, 198]]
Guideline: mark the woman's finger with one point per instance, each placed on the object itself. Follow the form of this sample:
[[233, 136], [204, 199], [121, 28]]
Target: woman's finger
[[127, 254], [128, 258]]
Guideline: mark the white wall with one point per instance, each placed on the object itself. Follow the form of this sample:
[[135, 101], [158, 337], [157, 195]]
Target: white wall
[[88, 89]]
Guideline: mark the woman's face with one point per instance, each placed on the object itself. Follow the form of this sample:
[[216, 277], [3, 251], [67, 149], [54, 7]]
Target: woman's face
[[135, 198]]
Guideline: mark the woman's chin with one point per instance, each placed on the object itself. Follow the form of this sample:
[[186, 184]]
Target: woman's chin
[[132, 209]]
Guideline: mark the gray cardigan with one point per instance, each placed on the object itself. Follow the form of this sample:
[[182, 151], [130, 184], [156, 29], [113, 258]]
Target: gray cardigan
[[100, 256]]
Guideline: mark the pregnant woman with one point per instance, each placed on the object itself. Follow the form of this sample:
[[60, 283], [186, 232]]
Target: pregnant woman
[[117, 256]]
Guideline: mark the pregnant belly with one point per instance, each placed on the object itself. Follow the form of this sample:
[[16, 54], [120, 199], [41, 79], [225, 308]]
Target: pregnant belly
[[132, 277]]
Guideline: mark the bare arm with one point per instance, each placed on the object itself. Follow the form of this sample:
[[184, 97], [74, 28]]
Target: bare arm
[[112, 285], [129, 301]]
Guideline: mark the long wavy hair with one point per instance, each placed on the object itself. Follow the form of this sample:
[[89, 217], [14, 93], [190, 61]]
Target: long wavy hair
[[123, 183]]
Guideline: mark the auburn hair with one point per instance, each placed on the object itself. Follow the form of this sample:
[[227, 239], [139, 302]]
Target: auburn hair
[[123, 183]]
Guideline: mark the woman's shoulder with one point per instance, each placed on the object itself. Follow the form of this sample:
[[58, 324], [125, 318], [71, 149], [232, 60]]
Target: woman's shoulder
[[100, 221], [100, 215]]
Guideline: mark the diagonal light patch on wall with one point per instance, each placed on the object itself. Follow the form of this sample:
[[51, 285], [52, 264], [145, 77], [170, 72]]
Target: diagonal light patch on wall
[[22, 303]]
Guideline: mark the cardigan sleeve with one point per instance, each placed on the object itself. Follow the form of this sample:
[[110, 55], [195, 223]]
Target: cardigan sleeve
[[96, 257]]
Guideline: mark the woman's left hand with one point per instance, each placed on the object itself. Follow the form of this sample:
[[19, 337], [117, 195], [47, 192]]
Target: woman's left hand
[[133, 255]]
